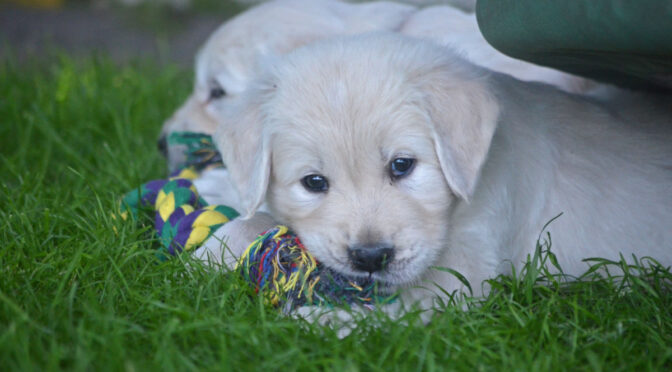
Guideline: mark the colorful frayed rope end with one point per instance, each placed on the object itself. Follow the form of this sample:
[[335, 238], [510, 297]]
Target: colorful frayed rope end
[[276, 264], [279, 267]]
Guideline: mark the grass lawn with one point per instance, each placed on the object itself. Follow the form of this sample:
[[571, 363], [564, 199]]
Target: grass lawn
[[80, 290]]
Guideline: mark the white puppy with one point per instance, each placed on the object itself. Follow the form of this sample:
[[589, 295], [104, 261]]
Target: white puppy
[[236, 51], [390, 156]]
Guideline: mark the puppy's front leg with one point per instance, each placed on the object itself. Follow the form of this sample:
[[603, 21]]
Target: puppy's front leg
[[226, 245]]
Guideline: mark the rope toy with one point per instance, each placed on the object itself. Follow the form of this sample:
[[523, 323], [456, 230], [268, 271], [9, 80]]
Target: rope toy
[[182, 219], [201, 153], [279, 266], [276, 264]]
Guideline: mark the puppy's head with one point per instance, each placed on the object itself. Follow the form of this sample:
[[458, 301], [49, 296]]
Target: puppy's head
[[234, 53], [362, 145]]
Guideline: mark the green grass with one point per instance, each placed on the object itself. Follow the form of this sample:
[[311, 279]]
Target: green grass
[[80, 290]]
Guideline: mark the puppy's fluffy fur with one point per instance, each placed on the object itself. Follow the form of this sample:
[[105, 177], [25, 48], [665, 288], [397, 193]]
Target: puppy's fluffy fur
[[496, 158]]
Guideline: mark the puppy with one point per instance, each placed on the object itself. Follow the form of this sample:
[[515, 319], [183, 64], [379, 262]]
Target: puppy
[[235, 52], [391, 156]]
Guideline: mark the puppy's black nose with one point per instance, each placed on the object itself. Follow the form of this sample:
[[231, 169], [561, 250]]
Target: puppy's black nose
[[370, 258], [162, 145]]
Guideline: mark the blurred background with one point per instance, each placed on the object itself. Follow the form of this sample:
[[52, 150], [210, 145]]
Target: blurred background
[[165, 31]]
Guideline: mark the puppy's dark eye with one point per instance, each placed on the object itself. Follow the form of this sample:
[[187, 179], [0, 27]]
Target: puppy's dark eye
[[315, 183], [401, 167], [217, 92]]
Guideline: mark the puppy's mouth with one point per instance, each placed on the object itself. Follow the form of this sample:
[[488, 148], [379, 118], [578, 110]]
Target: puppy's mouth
[[390, 276], [190, 149], [345, 267]]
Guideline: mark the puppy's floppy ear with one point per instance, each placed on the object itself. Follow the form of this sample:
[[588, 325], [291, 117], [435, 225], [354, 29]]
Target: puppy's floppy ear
[[463, 115], [245, 148]]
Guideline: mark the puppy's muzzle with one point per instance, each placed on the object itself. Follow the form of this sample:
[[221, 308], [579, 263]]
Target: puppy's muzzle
[[370, 258]]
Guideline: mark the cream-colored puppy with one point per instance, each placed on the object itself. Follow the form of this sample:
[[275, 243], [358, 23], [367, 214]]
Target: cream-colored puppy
[[390, 156], [234, 54]]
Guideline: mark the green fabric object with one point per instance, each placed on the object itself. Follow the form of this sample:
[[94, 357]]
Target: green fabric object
[[624, 42]]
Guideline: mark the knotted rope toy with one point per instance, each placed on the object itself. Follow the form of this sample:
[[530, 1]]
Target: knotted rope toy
[[182, 219], [275, 264]]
